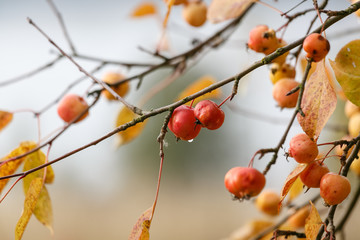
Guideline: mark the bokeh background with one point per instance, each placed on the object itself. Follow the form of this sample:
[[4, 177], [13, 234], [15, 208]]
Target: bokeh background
[[100, 192]]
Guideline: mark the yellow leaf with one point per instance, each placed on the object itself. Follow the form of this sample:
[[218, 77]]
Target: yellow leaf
[[313, 223], [296, 189], [347, 70], [144, 9], [10, 167], [221, 10], [29, 205], [43, 209], [141, 228], [250, 229], [5, 119], [318, 102], [199, 85], [124, 116], [290, 180]]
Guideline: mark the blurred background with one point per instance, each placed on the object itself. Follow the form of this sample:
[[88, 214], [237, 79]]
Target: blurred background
[[100, 192]]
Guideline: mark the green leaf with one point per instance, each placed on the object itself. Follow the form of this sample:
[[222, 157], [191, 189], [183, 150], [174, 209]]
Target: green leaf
[[347, 70]]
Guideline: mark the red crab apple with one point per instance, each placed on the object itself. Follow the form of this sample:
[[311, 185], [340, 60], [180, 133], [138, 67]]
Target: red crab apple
[[334, 188], [209, 114], [71, 106], [303, 149], [244, 182], [183, 123]]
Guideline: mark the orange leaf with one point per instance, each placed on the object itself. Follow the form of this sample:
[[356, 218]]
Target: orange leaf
[[313, 223], [347, 70], [141, 228], [318, 102], [125, 116], [5, 119], [296, 189], [29, 205], [221, 10], [199, 85], [290, 180], [250, 229], [144, 9], [43, 209], [10, 167]]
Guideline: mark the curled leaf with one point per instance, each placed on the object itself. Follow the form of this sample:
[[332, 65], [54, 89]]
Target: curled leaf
[[8, 168], [199, 85], [144, 9], [318, 102], [221, 10], [31, 199], [290, 180], [5, 119], [141, 228], [125, 116], [313, 223], [347, 70]]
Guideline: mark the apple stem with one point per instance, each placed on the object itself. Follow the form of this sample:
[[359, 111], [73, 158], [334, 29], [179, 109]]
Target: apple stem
[[224, 101]]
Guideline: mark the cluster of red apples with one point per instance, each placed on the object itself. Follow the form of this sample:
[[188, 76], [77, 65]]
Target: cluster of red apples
[[247, 182], [187, 121], [262, 39]]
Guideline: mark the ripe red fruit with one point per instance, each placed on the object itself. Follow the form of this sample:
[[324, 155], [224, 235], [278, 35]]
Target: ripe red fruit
[[316, 46], [281, 88], [209, 114], [244, 182], [334, 188], [303, 149], [263, 39], [71, 106], [313, 173], [183, 123]]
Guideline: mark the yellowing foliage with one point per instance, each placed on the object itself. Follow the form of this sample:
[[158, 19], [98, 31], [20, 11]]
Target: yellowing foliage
[[290, 180], [31, 199], [318, 102], [5, 119], [347, 70], [10, 167], [141, 228], [43, 208], [144, 9], [198, 85], [124, 116], [313, 223]]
